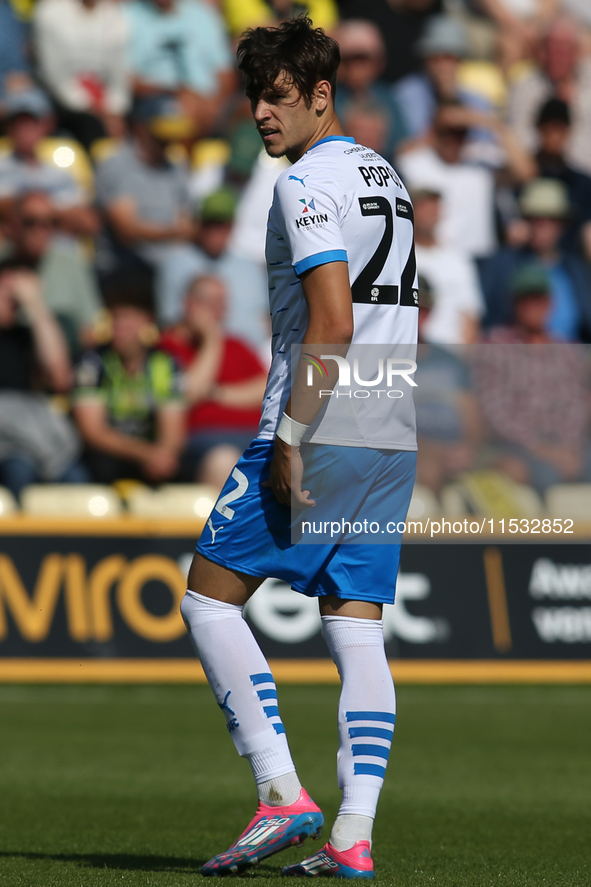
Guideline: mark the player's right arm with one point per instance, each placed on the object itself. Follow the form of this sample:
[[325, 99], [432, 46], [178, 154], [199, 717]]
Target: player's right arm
[[328, 294]]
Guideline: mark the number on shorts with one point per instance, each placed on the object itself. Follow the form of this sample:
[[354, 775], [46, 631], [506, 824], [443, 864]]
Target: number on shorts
[[222, 504]]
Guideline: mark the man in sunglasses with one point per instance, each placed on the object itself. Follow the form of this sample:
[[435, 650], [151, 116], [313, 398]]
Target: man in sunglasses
[[68, 285], [29, 121]]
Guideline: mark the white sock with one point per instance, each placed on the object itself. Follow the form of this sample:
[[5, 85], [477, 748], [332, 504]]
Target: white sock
[[280, 791], [349, 828], [244, 688], [367, 711]]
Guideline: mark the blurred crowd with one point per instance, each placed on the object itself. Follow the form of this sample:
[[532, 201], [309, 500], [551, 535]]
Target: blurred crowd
[[134, 337]]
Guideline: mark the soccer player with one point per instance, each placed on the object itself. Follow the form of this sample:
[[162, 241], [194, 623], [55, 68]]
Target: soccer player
[[341, 270]]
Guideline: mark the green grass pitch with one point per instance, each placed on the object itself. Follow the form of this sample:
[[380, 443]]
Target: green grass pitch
[[103, 785]]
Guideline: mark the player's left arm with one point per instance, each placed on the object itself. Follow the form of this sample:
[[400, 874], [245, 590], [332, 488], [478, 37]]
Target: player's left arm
[[328, 294]]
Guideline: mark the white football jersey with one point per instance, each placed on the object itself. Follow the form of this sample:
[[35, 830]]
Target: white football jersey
[[343, 202]]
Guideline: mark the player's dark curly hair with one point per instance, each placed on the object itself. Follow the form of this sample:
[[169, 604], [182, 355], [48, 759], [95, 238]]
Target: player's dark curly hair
[[305, 54]]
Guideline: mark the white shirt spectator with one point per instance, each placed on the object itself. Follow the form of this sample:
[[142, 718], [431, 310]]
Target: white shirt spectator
[[82, 54], [467, 192], [457, 296], [250, 222]]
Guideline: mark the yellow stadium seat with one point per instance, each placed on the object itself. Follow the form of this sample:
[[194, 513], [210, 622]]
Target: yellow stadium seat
[[102, 149], [64, 153], [7, 503], [210, 151], [485, 79], [173, 501], [489, 493], [71, 500]]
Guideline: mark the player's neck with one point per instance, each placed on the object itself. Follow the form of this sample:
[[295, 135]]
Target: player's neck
[[325, 129]]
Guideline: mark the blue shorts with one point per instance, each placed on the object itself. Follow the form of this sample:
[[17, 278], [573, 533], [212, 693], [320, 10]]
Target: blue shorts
[[249, 531]]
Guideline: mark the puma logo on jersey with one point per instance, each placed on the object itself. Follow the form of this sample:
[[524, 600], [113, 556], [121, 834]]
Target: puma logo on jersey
[[213, 529], [295, 179]]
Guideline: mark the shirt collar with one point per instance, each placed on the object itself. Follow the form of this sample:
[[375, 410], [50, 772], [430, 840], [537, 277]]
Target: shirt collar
[[332, 139]]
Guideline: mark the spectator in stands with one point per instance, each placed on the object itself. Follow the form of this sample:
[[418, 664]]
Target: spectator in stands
[[367, 123], [442, 47], [454, 317], [14, 66], [224, 383], [401, 23], [179, 48], [36, 443], [545, 207], [522, 377], [82, 56], [554, 125], [247, 313], [467, 190], [530, 291], [29, 121], [564, 73], [66, 281], [363, 59], [146, 202], [519, 24], [448, 420], [127, 402]]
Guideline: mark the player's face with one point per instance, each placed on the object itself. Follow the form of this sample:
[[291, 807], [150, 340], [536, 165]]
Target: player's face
[[285, 121]]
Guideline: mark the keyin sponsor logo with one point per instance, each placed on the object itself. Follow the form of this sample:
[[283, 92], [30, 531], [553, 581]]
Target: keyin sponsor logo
[[308, 220]]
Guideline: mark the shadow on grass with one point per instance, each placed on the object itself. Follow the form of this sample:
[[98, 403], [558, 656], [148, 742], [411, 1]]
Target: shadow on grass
[[133, 862], [123, 861]]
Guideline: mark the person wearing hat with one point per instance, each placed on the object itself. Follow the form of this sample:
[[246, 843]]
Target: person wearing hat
[[545, 208], [531, 303], [146, 201], [442, 48], [244, 279], [521, 388], [28, 121], [554, 126]]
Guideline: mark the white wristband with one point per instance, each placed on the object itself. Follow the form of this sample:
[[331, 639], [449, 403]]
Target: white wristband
[[291, 431]]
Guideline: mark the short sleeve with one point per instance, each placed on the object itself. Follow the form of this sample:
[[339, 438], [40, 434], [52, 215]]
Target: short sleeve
[[109, 181], [310, 218], [89, 374]]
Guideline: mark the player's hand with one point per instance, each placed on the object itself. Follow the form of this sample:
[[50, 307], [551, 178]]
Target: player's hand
[[285, 478]]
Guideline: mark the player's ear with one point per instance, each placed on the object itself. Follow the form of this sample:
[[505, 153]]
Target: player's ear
[[322, 95]]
